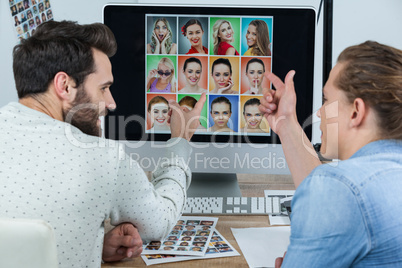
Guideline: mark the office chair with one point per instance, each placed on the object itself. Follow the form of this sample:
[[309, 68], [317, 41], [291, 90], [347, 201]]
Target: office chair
[[27, 243]]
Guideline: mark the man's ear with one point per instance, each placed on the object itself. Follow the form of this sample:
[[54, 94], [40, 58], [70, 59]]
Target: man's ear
[[64, 86], [359, 110]]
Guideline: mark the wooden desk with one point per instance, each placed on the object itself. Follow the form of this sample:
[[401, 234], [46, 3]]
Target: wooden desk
[[250, 185]]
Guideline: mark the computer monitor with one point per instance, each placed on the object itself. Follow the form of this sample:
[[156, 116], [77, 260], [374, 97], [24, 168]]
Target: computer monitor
[[178, 51]]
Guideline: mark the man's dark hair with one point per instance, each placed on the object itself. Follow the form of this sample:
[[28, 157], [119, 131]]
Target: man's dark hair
[[59, 47]]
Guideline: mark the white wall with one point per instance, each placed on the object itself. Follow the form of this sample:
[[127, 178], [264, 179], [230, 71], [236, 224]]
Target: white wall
[[356, 21]]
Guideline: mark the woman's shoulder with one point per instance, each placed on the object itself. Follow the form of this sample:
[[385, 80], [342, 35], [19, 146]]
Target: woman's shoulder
[[248, 52], [225, 45]]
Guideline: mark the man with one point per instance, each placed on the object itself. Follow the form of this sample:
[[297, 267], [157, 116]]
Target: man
[[347, 214], [54, 167]]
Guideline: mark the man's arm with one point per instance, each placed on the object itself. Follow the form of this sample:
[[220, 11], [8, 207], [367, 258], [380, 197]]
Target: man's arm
[[122, 242], [280, 110], [153, 207]]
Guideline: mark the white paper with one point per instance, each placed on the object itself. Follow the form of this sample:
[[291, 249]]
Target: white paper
[[261, 246], [214, 251], [196, 239]]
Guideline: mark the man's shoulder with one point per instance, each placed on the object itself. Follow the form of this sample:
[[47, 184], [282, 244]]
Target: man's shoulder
[[371, 161]]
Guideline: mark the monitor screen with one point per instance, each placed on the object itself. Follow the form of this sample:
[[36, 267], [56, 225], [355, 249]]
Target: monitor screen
[[178, 52]]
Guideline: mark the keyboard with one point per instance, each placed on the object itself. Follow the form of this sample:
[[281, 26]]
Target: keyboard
[[233, 206]]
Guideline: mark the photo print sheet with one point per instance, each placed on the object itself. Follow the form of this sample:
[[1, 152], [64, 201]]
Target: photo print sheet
[[190, 236], [218, 247], [29, 14]]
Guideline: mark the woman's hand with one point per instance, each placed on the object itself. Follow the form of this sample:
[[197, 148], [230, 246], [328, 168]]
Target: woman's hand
[[279, 105], [228, 88], [158, 44], [254, 88], [152, 73], [163, 44]]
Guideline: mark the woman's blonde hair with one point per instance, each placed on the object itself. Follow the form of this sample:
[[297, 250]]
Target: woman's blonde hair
[[373, 72], [169, 41], [215, 32]]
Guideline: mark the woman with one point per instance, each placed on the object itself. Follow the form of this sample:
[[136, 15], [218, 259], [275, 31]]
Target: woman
[[49, 14], [41, 7], [37, 20], [189, 103], [347, 211], [253, 116], [221, 111], [221, 73], [165, 82], [29, 14], [223, 35], [44, 17], [192, 70], [255, 70], [162, 38], [257, 37], [158, 112], [193, 31], [16, 21]]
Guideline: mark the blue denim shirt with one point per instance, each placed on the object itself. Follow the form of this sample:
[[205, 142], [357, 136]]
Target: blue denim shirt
[[350, 214]]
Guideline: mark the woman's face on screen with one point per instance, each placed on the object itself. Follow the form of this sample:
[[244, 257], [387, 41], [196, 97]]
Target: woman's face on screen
[[253, 116], [255, 74], [221, 113], [194, 34], [161, 30], [251, 35], [192, 73], [221, 75], [159, 114], [225, 32]]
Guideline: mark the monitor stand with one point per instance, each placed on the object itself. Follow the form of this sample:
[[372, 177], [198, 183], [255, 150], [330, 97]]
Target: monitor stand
[[214, 185]]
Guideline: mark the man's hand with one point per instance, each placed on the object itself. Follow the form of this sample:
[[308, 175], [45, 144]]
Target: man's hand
[[279, 261], [280, 105], [183, 122], [123, 241]]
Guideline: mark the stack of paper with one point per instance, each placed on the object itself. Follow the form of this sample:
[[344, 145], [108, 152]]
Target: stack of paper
[[191, 238]]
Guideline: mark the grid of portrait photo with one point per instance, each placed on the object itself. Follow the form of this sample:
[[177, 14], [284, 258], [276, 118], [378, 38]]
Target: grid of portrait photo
[[218, 247], [29, 14], [190, 236], [225, 57]]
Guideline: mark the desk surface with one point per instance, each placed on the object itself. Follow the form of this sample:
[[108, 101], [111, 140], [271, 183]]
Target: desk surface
[[250, 185]]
